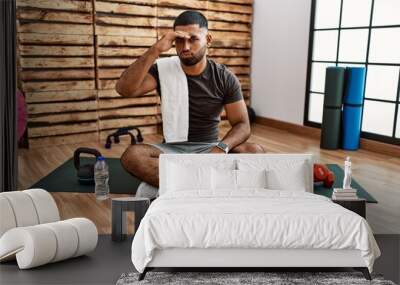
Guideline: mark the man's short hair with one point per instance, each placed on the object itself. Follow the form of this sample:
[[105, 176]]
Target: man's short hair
[[191, 18]]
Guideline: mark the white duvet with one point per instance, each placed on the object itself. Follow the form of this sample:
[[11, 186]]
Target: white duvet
[[256, 218]]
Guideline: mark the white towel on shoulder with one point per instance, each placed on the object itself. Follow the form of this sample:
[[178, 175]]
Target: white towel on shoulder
[[174, 99]]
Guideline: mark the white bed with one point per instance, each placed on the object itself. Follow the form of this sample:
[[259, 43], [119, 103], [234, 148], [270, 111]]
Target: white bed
[[226, 226]]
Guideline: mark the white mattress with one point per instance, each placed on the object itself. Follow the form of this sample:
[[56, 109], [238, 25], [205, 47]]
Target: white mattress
[[251, 219]]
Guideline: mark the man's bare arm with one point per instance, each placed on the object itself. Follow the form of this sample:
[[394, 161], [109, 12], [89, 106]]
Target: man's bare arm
[[238, 118], [135, 80]]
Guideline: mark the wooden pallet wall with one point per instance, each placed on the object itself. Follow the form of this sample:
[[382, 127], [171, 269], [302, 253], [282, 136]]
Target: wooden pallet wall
[[56, 70], [71, 53]]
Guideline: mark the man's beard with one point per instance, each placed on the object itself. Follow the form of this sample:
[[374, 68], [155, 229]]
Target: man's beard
[[189, 61]]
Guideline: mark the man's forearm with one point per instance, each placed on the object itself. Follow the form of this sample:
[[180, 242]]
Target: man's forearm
[[132, 78], [238, 134]]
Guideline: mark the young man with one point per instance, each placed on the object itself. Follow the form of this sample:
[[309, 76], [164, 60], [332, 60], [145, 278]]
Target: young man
[[211, 87]]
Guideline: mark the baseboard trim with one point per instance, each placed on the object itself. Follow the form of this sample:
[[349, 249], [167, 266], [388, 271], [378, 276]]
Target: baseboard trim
[[290, 127], [365, 144]]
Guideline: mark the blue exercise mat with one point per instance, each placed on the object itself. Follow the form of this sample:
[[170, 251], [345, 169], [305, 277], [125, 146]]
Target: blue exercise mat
[[352, 109]]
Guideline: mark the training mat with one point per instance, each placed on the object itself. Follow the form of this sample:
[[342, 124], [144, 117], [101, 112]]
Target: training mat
[[352, 109], [64, 178], [339, 175], [331, 118]]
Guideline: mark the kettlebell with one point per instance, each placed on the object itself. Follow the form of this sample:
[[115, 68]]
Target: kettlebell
[[85, 172]]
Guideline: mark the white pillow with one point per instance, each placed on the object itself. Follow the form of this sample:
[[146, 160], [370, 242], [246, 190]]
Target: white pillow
[[293, 178], [251, 178], [223, 179], [182, 177]]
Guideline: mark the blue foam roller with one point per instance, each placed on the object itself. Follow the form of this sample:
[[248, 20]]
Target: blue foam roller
[[355, 81], [351, 127], [352, 109]]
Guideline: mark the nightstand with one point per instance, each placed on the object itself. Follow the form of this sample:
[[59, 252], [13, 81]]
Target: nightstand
[[357, 206]]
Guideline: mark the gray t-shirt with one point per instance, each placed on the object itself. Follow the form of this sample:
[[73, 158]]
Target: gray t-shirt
[[208, 93]]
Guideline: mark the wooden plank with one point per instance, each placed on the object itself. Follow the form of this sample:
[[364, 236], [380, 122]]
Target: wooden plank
[[165, 23], [231, 43], [229, 17], [125, 41], [56, 50], [113, 61], [54, 28], [111, 93], [244, 79], [190, 4], [43, 108], [63, 139], [58, 85], [56, 74], [54, 96], [230, 35], [34, 38], [111, 73], [125, 102], [64, 118], [123, 31], [56, 62], [145, 2], [232, 60], [145, 130], [240, 69], [128, 9], [124, 122], [218, 25], [120, 51], [126, 21], [129, 112], [244, 2], [61, 129], [68, 5], [107, 84], [54, 16], [168, 12], [225, 7], [228, 52]]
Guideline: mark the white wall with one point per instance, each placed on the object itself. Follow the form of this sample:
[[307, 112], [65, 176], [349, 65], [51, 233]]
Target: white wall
[[279, 58]]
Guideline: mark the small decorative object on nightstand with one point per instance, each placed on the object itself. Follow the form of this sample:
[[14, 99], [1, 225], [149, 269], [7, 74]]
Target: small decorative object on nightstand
[[125, 204], [345, 193], [347, 196]]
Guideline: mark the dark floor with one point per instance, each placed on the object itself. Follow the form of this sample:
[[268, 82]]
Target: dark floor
[[111, 259]]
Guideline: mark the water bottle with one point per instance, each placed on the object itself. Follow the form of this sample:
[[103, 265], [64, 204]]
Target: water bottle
[[101, 177]]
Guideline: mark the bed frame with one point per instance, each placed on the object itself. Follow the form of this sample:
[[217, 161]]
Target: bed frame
[[246, 258], [242, 259]]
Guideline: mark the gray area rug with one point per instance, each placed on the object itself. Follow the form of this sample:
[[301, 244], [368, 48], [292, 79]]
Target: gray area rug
[[229, 278]]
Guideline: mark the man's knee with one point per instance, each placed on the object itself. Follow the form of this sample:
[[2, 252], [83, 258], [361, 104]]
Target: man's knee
[[135, 155], [256, 148], [249, 148]]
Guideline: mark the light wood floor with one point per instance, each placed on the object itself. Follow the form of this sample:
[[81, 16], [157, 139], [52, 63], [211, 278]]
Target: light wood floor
[[378, 174]]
